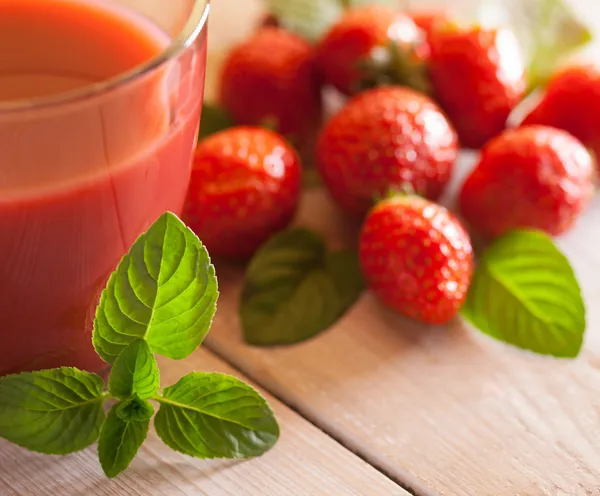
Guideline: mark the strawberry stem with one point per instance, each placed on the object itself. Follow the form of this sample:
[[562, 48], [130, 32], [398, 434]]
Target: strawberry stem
[[405, 189], [393, 65]]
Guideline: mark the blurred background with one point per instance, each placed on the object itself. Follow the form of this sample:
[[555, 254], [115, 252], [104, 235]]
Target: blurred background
[[548, 27]]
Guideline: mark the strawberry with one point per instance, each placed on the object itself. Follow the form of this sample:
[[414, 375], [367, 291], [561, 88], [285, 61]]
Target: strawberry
[[245, 186], [272, 79], [388, 138], [572, 102], [430, 21], [370, 45], [416, 258], [533, 177], [478, 78]]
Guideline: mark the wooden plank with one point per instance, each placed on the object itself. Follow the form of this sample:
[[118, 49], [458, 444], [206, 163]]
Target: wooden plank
[[440, 409], [304, 462]]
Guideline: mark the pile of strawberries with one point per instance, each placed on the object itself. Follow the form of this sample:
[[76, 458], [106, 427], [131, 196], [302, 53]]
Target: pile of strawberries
[[419, 88]]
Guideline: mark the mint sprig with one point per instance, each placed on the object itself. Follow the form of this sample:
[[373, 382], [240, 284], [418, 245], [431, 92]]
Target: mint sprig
[[161, 299], [524, 292]]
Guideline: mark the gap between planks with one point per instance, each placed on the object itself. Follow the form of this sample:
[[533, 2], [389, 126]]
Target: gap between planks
[[440, 410], [410, 484], [305, 462]]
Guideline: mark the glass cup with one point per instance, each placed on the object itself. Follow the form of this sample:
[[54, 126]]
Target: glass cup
[[82, 175]]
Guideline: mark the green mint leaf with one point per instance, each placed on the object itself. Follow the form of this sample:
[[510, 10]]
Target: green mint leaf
[[135, 408], [121, 438], [55, 411], [135, 371], [524, 292], [164, 292], [559, 34], [307, 18], [295, 288], [311, 19], [214, 119], [212, 415], [549, 31]]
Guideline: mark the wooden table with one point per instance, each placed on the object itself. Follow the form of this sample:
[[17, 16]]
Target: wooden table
[[377, 403]]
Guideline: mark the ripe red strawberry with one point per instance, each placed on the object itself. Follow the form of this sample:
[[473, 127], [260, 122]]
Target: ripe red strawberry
[[387, 138], [416, 258], [572, 102], [245, 186], [430, 21], [478, 78], [533, 177], [272, 79], [369, 45]]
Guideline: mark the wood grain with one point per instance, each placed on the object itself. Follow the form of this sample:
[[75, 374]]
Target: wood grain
[[305, 462], [443, 410], [440, 409]]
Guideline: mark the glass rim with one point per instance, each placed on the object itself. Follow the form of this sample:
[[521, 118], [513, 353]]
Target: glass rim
[[195, 24]]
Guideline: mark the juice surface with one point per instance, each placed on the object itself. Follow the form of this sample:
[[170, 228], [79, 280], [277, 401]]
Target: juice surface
[[79, 182], [57, 46]]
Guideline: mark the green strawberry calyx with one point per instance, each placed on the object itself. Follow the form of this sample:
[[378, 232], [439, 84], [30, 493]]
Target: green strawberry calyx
[[393, 65], [405, 190]]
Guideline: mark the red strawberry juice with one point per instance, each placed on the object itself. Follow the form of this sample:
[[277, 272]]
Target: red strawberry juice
[[82, 177]]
